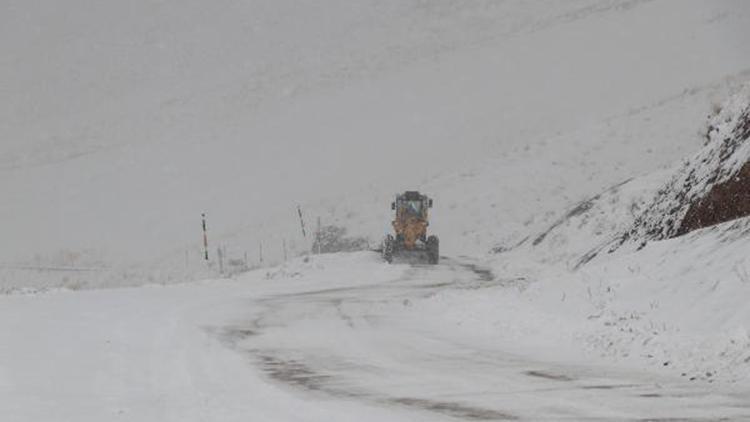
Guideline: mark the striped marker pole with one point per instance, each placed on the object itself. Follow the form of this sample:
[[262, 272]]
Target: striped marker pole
[[205, 238], [317, 236], [301, 221]]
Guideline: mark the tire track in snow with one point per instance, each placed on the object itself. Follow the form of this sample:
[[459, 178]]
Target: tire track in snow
[[404, 369]]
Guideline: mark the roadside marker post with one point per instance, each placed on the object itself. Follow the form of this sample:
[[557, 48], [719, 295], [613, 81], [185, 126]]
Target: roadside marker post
[[220, 254], [205, 238], [317, 236], [301, 221]]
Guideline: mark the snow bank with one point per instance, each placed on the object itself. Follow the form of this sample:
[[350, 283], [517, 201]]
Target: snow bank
[[573, 239]]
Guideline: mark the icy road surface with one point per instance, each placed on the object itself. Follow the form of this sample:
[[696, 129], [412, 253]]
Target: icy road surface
[[340, 338]]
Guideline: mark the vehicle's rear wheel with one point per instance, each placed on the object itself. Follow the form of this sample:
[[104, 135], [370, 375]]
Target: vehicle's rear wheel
[[433, 249]]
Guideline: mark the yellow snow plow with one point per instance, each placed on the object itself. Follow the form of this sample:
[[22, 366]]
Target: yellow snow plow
[[410, 226]]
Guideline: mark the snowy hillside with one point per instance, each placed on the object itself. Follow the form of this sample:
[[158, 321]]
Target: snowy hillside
[[710, 187], [122, 123], [703, 190], [672, 301]]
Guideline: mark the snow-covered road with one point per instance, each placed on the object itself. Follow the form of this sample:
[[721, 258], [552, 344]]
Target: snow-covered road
[[337, 338]]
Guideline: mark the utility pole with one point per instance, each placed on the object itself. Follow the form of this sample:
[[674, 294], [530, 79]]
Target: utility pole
[[205, 237], [283, 245], [260, 252]]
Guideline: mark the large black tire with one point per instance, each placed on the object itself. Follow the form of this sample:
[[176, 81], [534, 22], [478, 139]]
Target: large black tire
[[388, 245], [433, 250]]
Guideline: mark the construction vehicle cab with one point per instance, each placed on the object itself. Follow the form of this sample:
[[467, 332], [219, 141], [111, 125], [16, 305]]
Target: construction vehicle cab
[[410, 227]]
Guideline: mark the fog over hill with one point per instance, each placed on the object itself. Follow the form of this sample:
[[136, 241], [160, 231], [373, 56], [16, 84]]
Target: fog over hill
[[122, 122]]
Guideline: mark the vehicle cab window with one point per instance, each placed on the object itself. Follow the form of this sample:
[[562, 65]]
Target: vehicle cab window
[[414, 207]]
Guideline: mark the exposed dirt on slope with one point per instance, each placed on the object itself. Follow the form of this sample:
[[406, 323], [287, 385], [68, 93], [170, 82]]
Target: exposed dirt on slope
[[727, 200], [711, 187], [724, 202]]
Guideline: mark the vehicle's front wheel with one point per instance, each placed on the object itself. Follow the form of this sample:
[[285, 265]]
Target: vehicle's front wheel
[[388, 245]]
